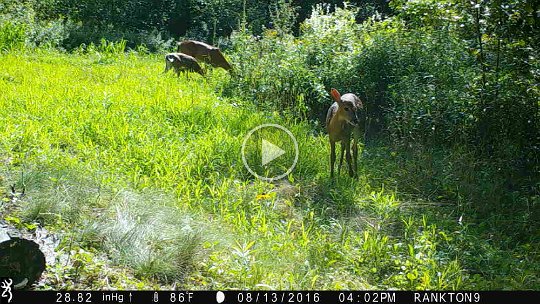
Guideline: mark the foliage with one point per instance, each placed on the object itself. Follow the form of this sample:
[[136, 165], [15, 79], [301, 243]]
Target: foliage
[[414, 82], [112, 152], [21, 26], [12, 36], [423, 77], [118, 140], [288, 85], [142, 21]]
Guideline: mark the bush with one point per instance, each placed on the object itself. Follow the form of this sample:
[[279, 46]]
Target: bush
[[271, 73], [20, 27], [12, 36], [418, 81], [284, 73], [414, 81]]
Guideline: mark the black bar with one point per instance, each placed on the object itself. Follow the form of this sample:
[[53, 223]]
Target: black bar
[[241, 297]]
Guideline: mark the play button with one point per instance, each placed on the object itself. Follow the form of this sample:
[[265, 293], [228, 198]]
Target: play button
[[270, 152]]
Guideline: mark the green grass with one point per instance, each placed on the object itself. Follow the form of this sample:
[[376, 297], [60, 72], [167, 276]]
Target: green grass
[[141, 176]]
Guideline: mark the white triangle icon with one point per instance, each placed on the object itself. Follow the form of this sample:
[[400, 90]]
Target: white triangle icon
[[270, 152]]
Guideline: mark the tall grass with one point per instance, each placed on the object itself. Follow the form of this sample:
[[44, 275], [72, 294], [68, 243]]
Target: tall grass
[[145, 168]]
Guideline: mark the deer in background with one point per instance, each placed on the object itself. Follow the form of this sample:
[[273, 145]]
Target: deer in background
[[182, 62], [345, 119], [204, 52]]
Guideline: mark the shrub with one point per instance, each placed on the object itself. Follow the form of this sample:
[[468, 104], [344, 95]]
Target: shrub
[[271, 73], [414, 82], [21, 27], [12, 36], [418, 84]]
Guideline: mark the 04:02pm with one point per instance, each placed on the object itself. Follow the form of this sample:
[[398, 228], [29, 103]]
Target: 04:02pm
[[367, 297]]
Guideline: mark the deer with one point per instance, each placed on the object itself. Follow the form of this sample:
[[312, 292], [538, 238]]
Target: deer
[[182, 62], [343, 121], [204, 52]]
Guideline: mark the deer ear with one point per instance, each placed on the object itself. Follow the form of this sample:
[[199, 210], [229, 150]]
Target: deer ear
[[335, 95]]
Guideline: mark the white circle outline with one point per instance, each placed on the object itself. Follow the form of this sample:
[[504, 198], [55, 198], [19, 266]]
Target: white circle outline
[[270, 179]]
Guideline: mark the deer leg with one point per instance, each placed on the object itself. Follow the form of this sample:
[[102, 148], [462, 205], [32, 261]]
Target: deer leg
[[341, 157], [332, 157]]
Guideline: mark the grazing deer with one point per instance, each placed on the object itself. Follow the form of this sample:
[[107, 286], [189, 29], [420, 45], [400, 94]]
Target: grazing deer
[[182, 62], [344, 118], [204, 52]]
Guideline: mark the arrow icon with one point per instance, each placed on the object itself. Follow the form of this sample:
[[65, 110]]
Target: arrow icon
[[270, 152], [261, 152]]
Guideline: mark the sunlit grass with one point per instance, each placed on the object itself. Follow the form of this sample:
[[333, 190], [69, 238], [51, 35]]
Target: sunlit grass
[[146, 168]]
